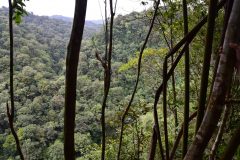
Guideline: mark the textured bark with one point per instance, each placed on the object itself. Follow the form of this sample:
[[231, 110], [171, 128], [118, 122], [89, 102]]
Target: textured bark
[[72, 60], [11, 112], [220, 133], [187, 39], [206, 63], [221, 86], [232, 146], [228, 9]]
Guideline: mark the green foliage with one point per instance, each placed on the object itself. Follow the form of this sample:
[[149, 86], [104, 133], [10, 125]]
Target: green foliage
[[55, 151], [19, 10], [40, 47], [146, 54]]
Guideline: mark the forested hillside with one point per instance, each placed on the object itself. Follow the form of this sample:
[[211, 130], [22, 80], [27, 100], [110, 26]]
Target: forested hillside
[[40, 48], [151, 45]]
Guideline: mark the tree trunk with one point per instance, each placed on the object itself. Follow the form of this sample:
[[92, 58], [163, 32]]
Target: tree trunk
[[72, 60], [206, 64], [137, 81], [220, 133], [179, 136], [221, 86], [11, 112], [187, 84], [232, 146]]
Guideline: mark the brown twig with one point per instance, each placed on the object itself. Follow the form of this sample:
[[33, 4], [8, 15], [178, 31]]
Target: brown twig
[[104, 65], [107, 71]]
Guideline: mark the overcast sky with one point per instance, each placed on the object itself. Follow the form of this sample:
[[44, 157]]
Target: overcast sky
[[66, 7]]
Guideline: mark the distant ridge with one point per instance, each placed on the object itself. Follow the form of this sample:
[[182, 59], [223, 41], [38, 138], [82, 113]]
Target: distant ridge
[[91, 26], [59, 17], [70, 19]]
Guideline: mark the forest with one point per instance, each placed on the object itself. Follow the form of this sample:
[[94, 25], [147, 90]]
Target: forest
[[159, 84]]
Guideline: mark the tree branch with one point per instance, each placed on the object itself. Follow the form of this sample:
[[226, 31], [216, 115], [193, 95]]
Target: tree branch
[[136, 85]]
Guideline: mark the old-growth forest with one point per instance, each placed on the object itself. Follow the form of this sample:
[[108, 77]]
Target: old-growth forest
[[158, 84]]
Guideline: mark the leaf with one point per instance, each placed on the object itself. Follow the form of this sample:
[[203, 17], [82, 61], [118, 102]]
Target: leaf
[[17, 18]]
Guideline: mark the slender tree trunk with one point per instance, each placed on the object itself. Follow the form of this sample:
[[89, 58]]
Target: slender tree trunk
[[187, 83], [220, 133], [106, 31], [137, 81], [72, 60], [221, 86], [206, 63], [107, 74], [232, 146], [165, 80], [11, 112], [153, 145], [187, 39], [228, 9], [173, 78], [180, 133], [170, 45]]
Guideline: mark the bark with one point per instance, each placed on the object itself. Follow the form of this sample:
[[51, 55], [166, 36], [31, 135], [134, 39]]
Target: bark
[[165, 108], [187, 39], [11, 114], [220, 133], [157, 95], [232, 146], [187, 84], [107, 70], [221, 86], [153, 145], [72, 60], [206, 63], [106, 30], [228, 9]]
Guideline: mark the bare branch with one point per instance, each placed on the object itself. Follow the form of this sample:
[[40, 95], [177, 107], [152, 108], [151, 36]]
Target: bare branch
[[136, 85]]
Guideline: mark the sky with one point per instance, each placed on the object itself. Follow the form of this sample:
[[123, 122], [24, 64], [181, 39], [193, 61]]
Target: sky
[[66, 7]]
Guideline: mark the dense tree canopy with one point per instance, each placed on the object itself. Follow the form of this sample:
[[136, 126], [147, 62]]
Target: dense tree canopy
[[40, 48]]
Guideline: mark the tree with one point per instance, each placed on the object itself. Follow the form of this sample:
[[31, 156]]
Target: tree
[[71, 77], [221, 88], [14, 14]]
